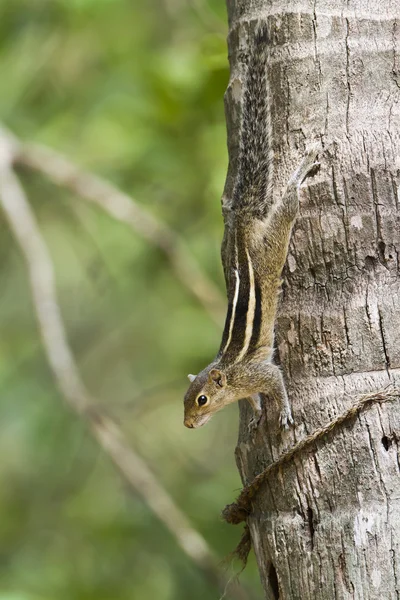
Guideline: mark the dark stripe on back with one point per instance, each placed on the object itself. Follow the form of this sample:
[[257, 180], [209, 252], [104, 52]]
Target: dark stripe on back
[[225, 335], [255, 336], [239, 325]]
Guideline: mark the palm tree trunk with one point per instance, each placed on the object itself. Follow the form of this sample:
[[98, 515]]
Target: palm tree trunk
[[327, 525]]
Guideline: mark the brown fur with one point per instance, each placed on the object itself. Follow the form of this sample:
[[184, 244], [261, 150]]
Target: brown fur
[[225, 380], [254, 250]]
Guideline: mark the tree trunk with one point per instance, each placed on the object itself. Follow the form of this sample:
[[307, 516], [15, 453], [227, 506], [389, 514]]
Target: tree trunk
[[327, 525]]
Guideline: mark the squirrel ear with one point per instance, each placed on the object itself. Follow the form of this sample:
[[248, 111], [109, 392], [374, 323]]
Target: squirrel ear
[[217, 377], [191, 377]]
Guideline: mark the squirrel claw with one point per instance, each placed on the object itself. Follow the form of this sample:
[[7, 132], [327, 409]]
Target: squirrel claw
[[286, 420], [254, 422]]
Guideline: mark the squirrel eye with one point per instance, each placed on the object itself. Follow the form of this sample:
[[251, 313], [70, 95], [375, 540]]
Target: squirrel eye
[[202, 400]]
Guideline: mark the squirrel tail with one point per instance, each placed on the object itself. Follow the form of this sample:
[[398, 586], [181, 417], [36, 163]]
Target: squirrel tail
[[255, 161]]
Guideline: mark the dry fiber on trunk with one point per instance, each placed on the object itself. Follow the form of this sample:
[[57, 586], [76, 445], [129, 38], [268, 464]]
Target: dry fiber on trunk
[[327, 524]]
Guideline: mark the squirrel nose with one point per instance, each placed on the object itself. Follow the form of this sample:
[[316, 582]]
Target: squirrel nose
[[188, 423]]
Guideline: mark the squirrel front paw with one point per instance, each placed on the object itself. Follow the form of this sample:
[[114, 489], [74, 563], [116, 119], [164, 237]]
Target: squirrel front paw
[[285, 419], [255, 421]]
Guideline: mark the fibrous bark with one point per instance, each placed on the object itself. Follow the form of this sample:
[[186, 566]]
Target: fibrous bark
[[327, 526]]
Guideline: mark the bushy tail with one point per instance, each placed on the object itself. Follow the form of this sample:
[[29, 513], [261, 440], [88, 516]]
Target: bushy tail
[[254, 177]]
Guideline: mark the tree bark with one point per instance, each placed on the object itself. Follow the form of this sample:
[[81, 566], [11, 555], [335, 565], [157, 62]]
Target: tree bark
[[327, 525]]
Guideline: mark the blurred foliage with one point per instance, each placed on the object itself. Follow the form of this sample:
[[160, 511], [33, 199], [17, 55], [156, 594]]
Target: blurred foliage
[[133, 91]]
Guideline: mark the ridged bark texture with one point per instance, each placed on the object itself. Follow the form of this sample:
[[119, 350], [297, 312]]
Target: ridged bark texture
[[327, 526]]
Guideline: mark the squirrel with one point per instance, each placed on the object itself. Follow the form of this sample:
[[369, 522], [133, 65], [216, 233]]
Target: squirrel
[[254, 250]]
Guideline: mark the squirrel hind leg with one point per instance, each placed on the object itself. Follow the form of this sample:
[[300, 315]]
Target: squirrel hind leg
[[306, 166], [287, 208]]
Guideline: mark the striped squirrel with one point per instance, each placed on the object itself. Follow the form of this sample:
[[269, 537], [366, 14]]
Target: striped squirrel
[[254, 251]]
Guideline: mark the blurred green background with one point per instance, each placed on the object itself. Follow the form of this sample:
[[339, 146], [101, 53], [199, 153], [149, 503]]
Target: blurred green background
[[134, 92]]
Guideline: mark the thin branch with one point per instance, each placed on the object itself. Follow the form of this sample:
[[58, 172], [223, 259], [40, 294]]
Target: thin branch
[[131, 466], [122, 207]]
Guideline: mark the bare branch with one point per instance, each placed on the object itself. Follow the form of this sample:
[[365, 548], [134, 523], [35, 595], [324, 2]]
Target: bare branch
[[122, 207], [132, 467]]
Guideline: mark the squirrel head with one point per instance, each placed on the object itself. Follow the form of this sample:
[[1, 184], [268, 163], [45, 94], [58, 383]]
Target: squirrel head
[[209, 392]]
